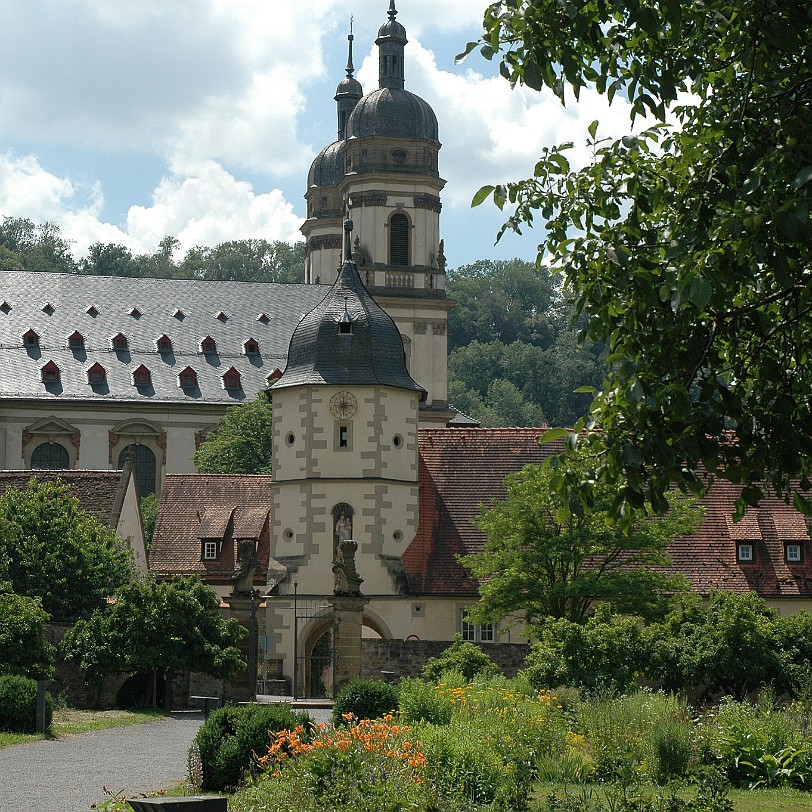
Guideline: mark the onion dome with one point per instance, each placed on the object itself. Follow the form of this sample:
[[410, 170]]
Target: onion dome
[[327, 168], [391, 110], [347, 340]]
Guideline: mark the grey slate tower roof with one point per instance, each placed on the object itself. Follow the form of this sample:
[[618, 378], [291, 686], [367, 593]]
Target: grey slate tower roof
[[390, 110], [347, 340]]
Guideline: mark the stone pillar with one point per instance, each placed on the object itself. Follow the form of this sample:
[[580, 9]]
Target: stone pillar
[[349, 621]]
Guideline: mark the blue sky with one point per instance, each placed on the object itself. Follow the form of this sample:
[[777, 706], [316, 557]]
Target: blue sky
[[126, 121]]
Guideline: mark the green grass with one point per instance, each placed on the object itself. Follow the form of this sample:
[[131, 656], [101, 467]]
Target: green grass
[[70, 721], [744, 800]]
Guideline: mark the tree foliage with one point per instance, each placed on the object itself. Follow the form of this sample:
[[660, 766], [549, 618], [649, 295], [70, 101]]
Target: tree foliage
[[24, 652], [687, 247], [158, 626], [53, 550], [513, 356], [26, 246], [242, 441], [543, 560]]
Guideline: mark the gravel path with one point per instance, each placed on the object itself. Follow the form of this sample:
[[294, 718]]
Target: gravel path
[[68, 775]]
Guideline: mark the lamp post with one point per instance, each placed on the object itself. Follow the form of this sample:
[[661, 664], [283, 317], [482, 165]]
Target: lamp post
[[295, 639], [252, 648]]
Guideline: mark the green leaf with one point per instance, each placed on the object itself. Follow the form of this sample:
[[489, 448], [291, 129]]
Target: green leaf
[[593, 129], [468, 48], [553, 434], [482, 195], [803, 177], [700, 292]]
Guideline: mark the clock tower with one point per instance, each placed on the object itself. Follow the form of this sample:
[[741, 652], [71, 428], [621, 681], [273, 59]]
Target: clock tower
[[382, 171], [345, 442]]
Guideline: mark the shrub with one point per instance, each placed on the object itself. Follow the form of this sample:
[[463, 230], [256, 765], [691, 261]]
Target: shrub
[[463, 658], [24, 651], [364, 699], [18, 705], [421, 701], [231, 736]]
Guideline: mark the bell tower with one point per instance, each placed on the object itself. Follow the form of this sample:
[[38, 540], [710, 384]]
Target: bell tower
[[383, 172]]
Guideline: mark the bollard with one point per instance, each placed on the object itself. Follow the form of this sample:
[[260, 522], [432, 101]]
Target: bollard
[[42, 689], [192, 803]]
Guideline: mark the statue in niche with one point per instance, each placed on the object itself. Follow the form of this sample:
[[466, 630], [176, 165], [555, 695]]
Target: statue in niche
[[343, 528], [347, 581]]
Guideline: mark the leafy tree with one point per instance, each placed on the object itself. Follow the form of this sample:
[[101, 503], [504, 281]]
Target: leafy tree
[[607, 652], [30, 247], [688, 247], [109, 260], [542, 559], [461, 657], [158, 626], [731, 646], [246, 261], [242, 441], [55, 551], [24, 652], [502, 300]]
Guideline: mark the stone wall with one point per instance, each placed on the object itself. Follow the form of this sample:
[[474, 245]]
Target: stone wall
[[406, 658]]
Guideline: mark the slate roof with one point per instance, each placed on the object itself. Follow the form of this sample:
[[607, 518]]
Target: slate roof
[[144, 310], [100, 493], [199, 506], [369, 353]]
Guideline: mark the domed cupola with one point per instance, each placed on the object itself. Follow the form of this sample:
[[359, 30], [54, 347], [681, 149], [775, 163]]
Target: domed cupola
[[347, 340], [327, 168], [391, 110]]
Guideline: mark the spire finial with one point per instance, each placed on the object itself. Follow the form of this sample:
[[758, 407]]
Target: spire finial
[[350, 69], [348, 239], [393, 12]]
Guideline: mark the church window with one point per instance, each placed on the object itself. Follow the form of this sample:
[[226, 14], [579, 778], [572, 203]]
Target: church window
[[399, 239], [343, 436], [143, 460], [50, 455]]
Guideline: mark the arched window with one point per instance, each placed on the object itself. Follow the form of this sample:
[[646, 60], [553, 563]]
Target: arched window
[[143, 466], [399, 239], [50, 455]]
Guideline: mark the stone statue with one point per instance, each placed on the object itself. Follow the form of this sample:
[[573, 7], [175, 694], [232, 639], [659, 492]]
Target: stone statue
[[343, 529], [347, 580]]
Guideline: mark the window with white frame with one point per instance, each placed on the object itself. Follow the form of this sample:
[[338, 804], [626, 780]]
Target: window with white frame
[[793, 552], [744, 552], [209, 550], [476, 632]]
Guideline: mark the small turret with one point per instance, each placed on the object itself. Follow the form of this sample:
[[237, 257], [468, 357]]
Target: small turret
[[348, 92], [391, 43]]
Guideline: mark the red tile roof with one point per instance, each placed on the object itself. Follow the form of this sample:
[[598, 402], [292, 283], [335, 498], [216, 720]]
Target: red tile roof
[[221, 506]]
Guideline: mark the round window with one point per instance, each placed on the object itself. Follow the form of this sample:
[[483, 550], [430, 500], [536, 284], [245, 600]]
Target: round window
[[290, 438], [397, 441], [288, 534], [397, 535]]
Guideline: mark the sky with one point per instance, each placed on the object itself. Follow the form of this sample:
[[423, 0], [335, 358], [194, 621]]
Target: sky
[[123, 122]]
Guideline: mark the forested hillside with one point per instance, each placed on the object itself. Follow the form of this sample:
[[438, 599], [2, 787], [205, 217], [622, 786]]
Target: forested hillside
[[514, 357]]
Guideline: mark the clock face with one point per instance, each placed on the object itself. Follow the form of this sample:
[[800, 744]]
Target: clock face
[[343, 405]]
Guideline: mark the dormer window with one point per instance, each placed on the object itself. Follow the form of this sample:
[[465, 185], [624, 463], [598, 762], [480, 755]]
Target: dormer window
[[31, 339], [210, 550], [345, 322], [793, 552], [208, 345], [179, 315], [744, 552], [135, 313], [50, 373], [48, 309], [251, 347], [164, 344], [142, 376], [231, 379], [76, 340], [274, 376], [187, 378], [221, 316], [264, 318], [96, 375], [119, 342], [5, 307], [92, 311]]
